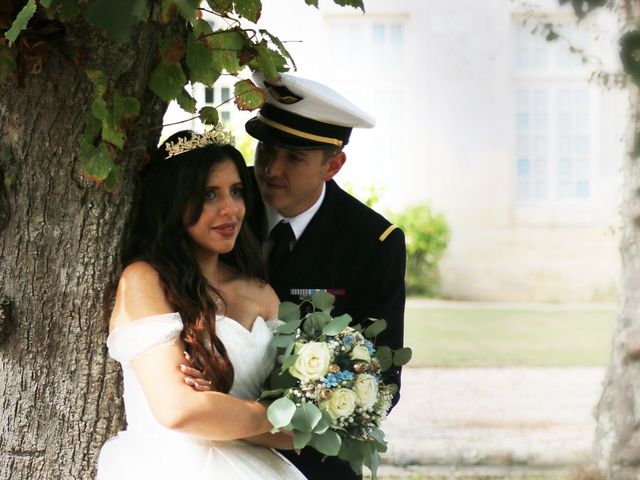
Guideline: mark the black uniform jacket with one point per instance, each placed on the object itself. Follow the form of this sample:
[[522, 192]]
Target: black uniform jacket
[[350, 248]]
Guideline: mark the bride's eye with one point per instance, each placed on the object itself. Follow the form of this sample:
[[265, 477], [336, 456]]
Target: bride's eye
[[237, 191], [209, 195]]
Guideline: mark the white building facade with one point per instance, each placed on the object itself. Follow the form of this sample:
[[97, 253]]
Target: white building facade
[[496, 128]]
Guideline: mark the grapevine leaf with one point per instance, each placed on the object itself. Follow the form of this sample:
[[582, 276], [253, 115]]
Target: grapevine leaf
[[280, 412], [209, 115], [200, 61], [117, 17], [187, 8], [266, 62], [167, 82], [186, 101], [313, 3], [221, 6], [113, 179], [21, 21], [351, 3], [169, 9], [7, 62], [301, 439], [328, 443], [96, 161], [249, 9], [402, 356], [276, 41], [289, 311], [306, 417], [125, 110], [248, 96], [375, 328], [173, 51], [226, 45], [99, 80]]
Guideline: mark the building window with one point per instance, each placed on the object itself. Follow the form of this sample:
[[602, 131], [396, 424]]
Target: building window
[[552, 118]]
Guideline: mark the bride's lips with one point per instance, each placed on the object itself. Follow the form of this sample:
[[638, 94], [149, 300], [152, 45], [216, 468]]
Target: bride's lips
[[227, 230]]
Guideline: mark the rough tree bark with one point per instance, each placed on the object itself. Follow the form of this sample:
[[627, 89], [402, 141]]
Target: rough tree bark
[[59, 238], [617, 441]]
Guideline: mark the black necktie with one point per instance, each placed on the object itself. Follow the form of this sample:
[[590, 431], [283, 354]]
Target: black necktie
[[281, 236]]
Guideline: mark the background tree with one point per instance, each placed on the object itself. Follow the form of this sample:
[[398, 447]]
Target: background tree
[[83, 89]]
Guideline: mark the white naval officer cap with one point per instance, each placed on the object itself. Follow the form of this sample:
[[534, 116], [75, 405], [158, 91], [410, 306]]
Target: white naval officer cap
[[303, 114]]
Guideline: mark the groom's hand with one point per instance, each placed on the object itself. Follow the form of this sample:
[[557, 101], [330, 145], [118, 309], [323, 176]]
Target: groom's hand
[[193, 377]]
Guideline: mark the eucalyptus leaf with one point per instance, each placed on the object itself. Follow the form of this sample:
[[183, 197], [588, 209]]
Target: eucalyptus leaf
[[337, 325], [282, 341], [385, 357], [271, 393], [323, 425], [282, 380], [301, 439], [328, 443], [288, 350], [280, 412], [375, 328], [291, 359], [289, 327], [289, 311], [323, 300], [306, 417], [402, 356], [373, 461], [21, 21]]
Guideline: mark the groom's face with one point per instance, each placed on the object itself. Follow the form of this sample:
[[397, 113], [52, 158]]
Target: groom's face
[[291, 181]]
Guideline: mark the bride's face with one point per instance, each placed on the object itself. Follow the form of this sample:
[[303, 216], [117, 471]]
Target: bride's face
[[222, 212]]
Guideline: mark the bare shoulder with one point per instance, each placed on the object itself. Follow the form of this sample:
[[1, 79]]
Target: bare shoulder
[[269, 300], [258, 296], [140, 294]]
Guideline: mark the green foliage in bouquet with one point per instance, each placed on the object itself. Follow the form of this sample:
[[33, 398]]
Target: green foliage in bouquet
[[328, 387]]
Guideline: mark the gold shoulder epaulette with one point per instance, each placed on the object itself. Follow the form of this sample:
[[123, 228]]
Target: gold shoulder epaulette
[[387, 232]]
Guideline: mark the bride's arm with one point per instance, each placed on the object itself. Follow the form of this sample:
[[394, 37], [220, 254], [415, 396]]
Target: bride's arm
[[210, 415]]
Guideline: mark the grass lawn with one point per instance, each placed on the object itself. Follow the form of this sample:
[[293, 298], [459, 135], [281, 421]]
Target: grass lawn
[[518, 336]]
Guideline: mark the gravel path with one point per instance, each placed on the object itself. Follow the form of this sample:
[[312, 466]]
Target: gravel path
[[532, 418]]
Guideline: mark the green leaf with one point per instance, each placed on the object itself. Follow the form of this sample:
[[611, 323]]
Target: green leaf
[[290, 360], [353, 452], [324, 424], [69, 9], [306, 417], [384, 356], [372, 460], [280, 412], [337, 325], [99, 80], [323, 301], [289, 327], [284, 52], [402, 356], [113, 179], [96, 161], [282, 341], [21, 21], [117, 17], [271, 393], [312, 2], [186, 101], [200, 62], [248, 96], [328, 443], [187, 8], [167, 82], [221, 6], [289, 311], [226, 44], [125, 109], [249, 9], [209, 115], [301, 439], [282, 380], [7, 62], [375, 328], [351, 3]]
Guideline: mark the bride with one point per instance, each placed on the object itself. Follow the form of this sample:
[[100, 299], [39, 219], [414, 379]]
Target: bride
[[193, 283]]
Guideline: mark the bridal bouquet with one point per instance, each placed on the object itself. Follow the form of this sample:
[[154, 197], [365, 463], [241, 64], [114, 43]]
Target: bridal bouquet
[[328, 384]]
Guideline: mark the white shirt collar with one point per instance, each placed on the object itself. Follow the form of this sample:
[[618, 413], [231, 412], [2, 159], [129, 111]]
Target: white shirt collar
[[299, 222]]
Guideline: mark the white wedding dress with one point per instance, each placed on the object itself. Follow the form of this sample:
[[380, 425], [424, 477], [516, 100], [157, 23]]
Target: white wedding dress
[[147, 450]]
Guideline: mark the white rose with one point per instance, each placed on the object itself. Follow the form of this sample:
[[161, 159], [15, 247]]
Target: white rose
[[360, 352], [341, 404], [366, 388], [312, 362]]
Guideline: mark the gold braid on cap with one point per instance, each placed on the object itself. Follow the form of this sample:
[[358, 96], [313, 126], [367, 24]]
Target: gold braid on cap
[[216, 136]]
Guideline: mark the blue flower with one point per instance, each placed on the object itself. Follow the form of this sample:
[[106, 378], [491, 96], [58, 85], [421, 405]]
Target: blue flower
[[369, 346], [346, 375], [348, 340]]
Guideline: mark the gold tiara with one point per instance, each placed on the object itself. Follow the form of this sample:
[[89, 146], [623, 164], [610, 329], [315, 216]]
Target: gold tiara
[[216, 136]]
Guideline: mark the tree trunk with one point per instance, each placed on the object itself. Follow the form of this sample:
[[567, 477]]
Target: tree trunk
[[617, 443], [59, 241]]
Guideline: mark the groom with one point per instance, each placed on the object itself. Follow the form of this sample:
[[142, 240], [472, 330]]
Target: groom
[[315, 235]]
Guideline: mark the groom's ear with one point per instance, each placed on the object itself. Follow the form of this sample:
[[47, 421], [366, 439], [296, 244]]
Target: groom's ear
[[334, 164]]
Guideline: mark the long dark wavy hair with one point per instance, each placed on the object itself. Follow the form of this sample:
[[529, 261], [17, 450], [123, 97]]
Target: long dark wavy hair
[[168, 189]]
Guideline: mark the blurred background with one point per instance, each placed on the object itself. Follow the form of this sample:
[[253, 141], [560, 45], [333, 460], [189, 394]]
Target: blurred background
[[498, 149]]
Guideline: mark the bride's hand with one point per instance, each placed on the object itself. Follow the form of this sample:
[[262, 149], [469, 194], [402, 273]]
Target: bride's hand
[[193, 377]]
